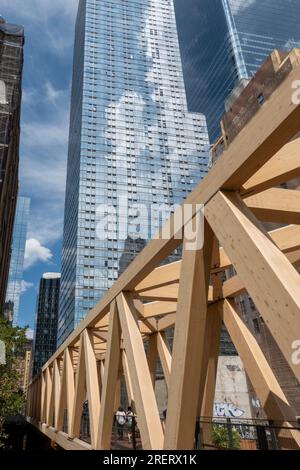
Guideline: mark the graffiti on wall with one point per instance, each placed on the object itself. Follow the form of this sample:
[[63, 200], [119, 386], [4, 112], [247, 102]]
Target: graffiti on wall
[[227, 410]]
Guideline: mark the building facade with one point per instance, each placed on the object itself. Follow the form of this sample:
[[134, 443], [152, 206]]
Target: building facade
[[11, 66], [133, 145], [46, 320], [15, 278], [23, 365], [224, 42]]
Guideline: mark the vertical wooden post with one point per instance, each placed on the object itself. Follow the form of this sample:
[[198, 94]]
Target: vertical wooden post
[[213, 335], [43, 397], [57, 387], [67, 391], [165, 355], [92, 385], [128, 380], [152, 356], [48, 395], [146, 406], [79, 392], [189, 345], [111, 373]]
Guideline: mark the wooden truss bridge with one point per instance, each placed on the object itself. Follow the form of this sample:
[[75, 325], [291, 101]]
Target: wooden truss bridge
[[243, 190]]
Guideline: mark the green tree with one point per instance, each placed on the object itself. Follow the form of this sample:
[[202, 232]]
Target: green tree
[[220, 437], [12, 400]]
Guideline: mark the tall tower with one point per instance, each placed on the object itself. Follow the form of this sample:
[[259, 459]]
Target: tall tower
[[14, 287], [46, 320], [11, 66], [224, 42], [131, 139]]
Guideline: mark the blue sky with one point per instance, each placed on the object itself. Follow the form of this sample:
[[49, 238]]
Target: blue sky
[[49, 30]]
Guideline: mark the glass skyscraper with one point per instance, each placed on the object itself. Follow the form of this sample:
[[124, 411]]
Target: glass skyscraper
[[46, 320], [131, 139], [224, 42], [15, 278]]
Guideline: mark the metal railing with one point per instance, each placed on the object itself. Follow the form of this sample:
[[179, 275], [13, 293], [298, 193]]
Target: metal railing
[[210, 433], [243, 434]]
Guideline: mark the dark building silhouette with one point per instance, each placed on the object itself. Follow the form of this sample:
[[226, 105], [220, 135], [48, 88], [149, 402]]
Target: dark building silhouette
[[46, 320], [11, 66]]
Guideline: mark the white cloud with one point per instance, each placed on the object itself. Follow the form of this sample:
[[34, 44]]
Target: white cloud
[[25, 286], [35, 252], [43, 164], [239, 7], [53, 95], [52, 19], [40, 10]]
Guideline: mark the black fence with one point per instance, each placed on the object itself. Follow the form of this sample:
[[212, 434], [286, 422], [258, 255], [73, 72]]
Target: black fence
[[244, 434], [210, 433]]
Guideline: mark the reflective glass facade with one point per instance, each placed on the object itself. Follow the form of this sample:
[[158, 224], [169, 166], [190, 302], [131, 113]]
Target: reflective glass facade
[[223, 41], [131, 136], [45, 336], [14, 287]]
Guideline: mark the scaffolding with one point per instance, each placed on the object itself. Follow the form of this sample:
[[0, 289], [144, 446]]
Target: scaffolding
[[11, 66]]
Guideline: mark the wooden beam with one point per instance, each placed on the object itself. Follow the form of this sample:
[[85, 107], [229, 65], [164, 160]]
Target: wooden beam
[[146, 406], [79, 393], [43, 398], [157, 309], [152, 355], [92, 386], [283, 166], [111, 373], [287, 238], [263, 380], [166, 293], [128, 383], [273, 126], [165, 355], [276, 205], [233, 286], [162, 276], [101, 335], [188, 346], [61, 438], [167, 322], [49, 395], [214, 325], [269, 277], [207, 397], [57, 389]]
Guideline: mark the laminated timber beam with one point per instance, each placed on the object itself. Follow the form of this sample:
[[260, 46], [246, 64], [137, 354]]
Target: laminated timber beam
[[273, 127], [152, 356], [110, 379], [186, 294], [276, 205], [270, 279], [234, 286], [145, 402], [286, 238], [188, 346], [283, 167], [263, 380], [164, 355]]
